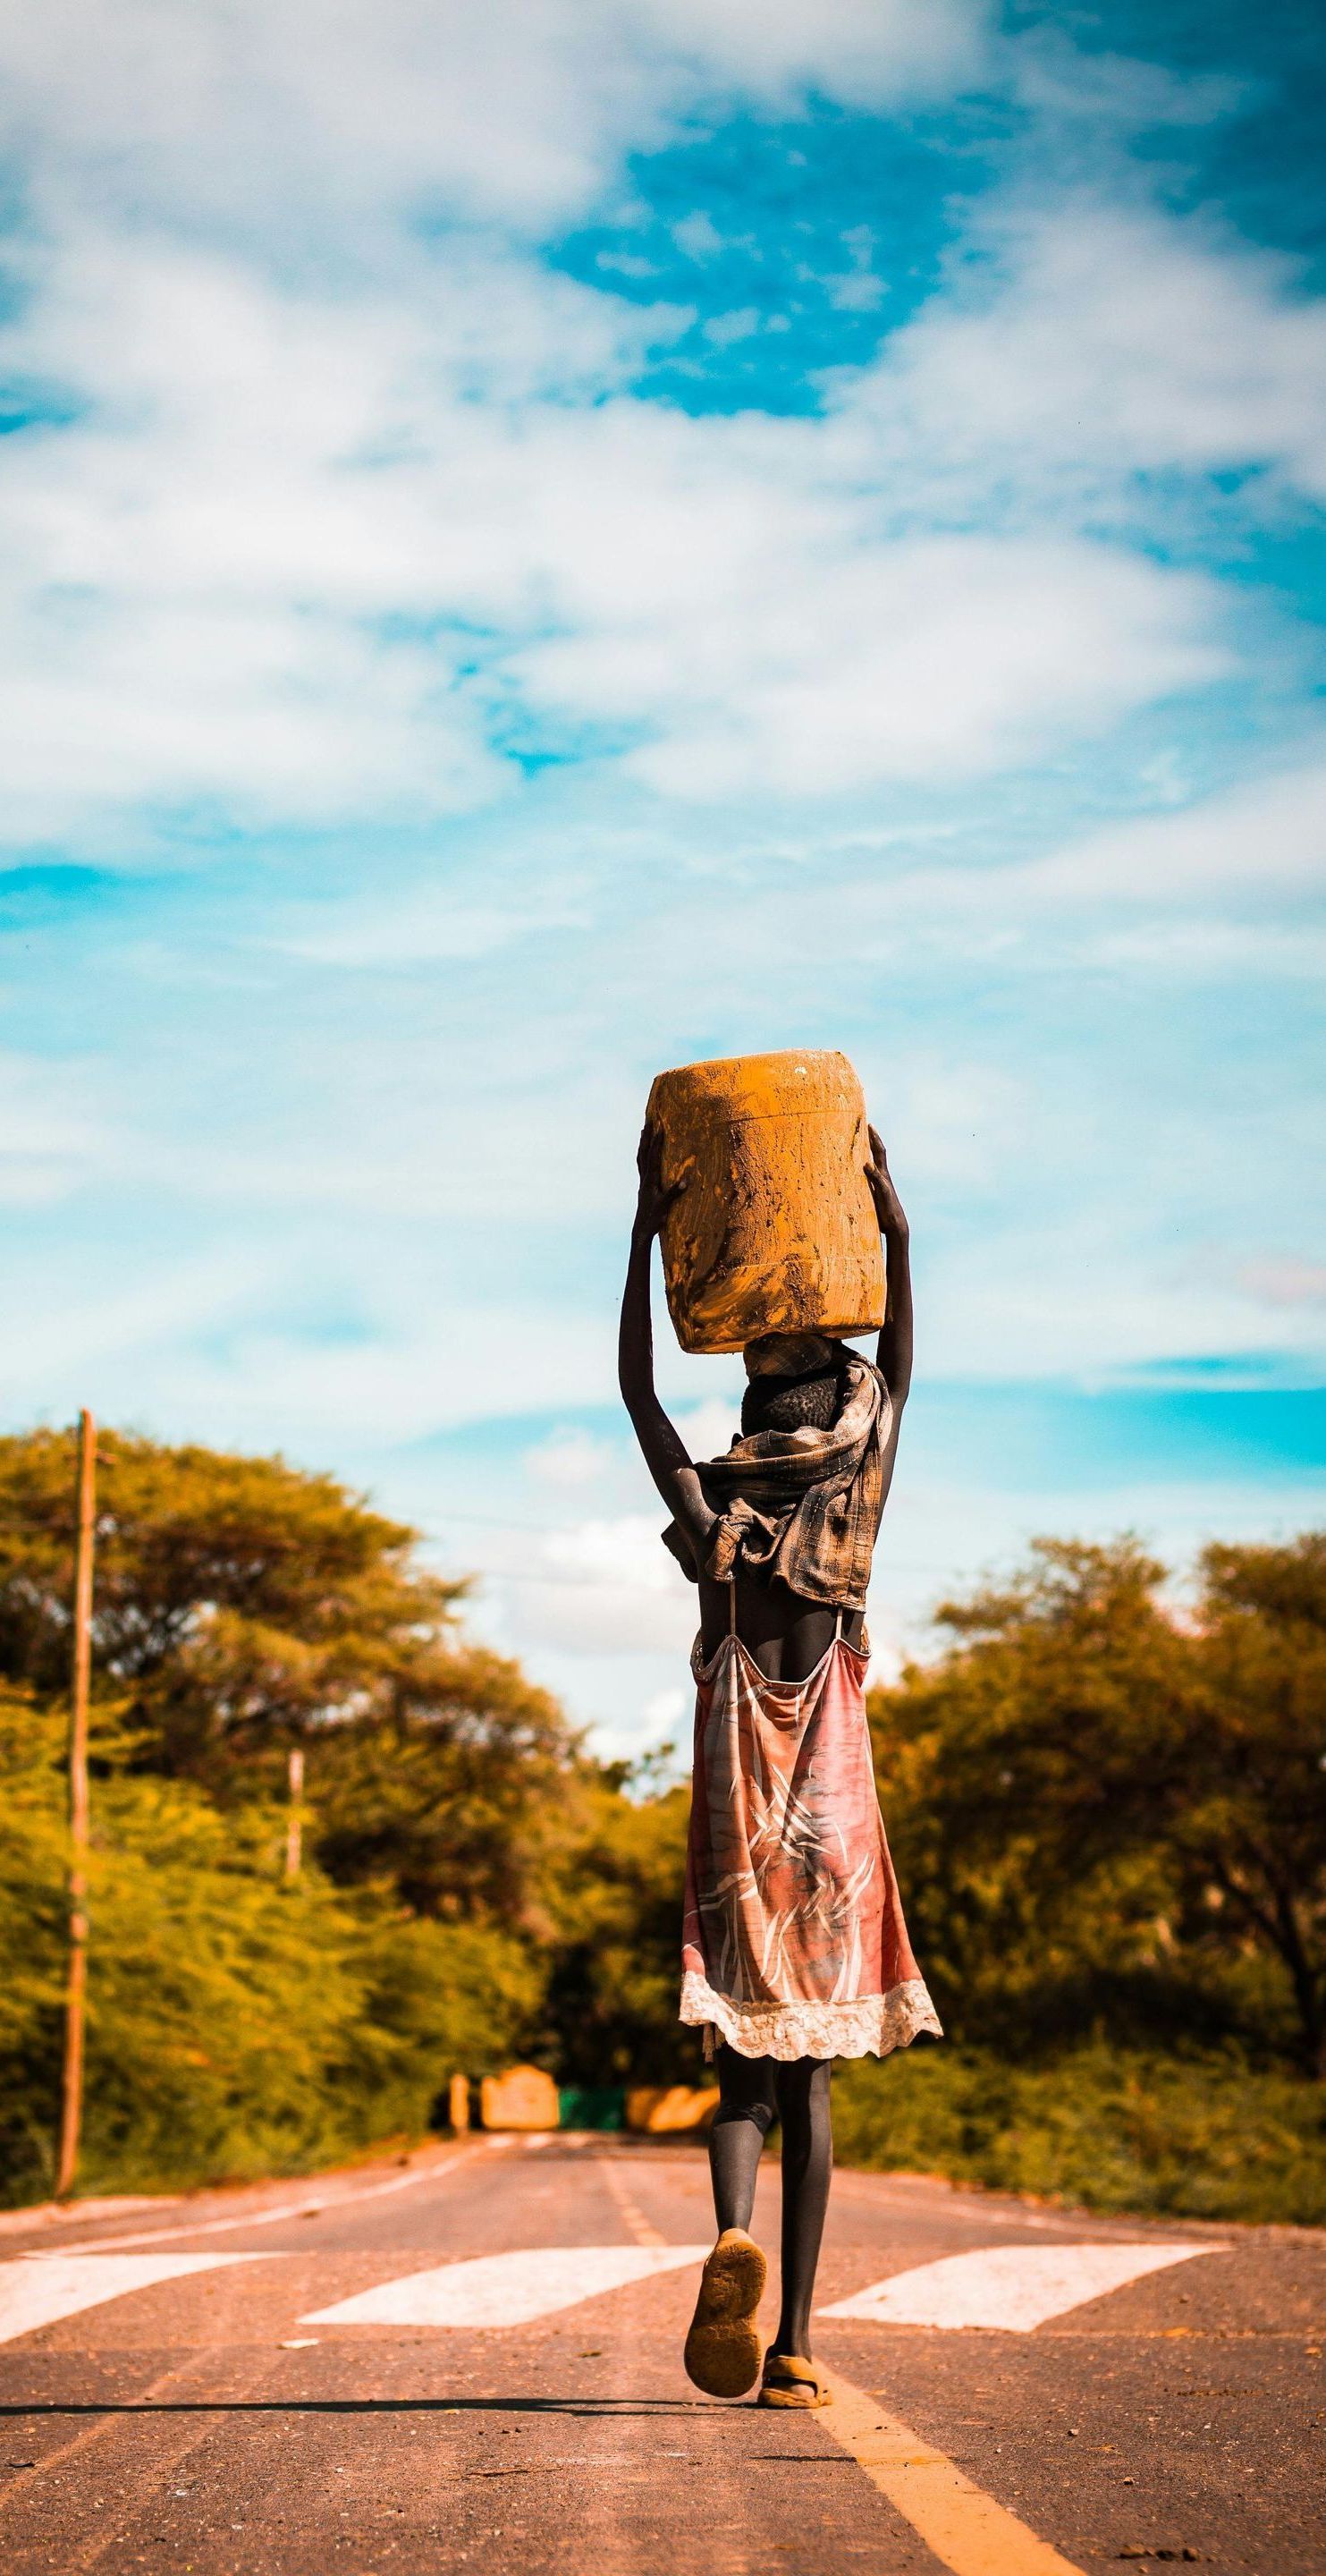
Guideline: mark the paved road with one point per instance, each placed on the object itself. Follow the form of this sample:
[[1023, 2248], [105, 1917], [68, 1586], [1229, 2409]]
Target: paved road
[[173, 2394]]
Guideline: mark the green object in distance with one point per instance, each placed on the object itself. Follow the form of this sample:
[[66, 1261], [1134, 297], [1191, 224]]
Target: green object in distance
[[591, 2106]]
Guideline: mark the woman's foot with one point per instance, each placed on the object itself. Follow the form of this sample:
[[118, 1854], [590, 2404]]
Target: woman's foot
[[790, 2381], [723, 2347]]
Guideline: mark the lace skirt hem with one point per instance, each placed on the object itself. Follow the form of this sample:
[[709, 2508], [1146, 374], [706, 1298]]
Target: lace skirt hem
[[871, 2026]]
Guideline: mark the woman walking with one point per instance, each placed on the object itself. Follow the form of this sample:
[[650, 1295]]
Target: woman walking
[[794, 1948]]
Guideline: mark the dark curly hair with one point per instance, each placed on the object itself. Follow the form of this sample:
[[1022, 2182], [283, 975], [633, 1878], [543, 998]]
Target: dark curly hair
[[813, 1402]]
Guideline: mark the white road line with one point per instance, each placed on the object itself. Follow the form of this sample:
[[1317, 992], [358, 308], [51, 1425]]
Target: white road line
[[505, 2289], [69, 2213], [314, 2205], [38, 2289], [1009, 2287]]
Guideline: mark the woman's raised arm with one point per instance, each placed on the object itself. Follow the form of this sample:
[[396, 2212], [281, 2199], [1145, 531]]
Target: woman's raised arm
[[665, 1452]]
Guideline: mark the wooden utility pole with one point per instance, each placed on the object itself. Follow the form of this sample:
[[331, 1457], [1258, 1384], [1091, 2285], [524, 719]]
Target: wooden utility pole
[[71, 2105], [294, 1831]]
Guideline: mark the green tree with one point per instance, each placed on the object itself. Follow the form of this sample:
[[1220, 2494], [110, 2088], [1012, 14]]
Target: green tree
[[1248, 1818], [459, 1787], [238, 1600], [242, 1605], [237, 2022], [1086, 1791], [1013, 1772], [610, 2015]]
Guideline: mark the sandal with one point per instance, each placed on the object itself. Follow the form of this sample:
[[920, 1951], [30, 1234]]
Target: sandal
[[789, 2381], [723, 2347]]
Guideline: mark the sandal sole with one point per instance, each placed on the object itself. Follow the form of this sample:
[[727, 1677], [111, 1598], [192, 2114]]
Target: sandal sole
[[723, 2350]]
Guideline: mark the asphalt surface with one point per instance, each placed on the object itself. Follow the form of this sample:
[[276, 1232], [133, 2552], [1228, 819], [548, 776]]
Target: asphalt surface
[[211, 2422]]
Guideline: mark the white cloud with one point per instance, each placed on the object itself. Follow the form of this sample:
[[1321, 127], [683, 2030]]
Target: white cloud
[[1051, 75], [257, 112], [1092, 344], [862, 52], [1215, 888], [52, 1127], [607, 1587], [725, 328], [1067, 1302], [249, 573], [697, 235], [568, 1458], [1198, 952], [109, 1328], [235, 1348], [288, 568], [1267, 835], [962, 1120], [344, 492], [825, 667], [665, 1714], [1286, 1280], [708, 1428], [382, 931], [857, 289], [321, 537]]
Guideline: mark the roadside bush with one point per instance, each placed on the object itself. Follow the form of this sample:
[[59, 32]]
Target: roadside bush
[[238, 2024], [1192, 2136]]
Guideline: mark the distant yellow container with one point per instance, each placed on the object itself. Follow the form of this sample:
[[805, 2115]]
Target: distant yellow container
[[523, 2098], [663, 2110], [776, 1229]]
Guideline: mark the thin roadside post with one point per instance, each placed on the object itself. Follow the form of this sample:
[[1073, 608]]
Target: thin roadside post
[[294, 1831], [71, 2101]]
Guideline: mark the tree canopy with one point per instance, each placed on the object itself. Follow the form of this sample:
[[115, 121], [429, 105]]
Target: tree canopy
[[1107, 1805], [241, 1606], [1092, 1788], [238, 1600]]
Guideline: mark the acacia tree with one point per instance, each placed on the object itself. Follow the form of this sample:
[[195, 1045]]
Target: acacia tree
[[243, 1604], [1085, 1781], [235, 1597], [1250, 1826], [460, 1786], [1007, 1769]]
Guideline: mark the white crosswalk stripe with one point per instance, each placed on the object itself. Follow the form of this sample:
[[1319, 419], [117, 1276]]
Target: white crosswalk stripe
[[39, 2289], [504, 2289], [1008, 2288], [1012, 2288]]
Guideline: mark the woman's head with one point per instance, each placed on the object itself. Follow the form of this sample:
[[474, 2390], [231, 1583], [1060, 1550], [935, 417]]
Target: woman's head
[[811, 1401]]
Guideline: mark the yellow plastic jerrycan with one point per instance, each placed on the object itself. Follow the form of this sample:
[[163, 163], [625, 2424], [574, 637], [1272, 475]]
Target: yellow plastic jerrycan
[[775, 1231]]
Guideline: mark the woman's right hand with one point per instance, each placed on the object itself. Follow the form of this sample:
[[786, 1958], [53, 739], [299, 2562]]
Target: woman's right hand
[[888, 1205]]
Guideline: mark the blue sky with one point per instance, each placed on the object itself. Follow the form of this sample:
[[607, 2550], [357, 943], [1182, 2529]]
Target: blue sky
[[539, 544]]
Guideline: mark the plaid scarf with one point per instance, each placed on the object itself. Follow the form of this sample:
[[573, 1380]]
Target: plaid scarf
[[801, 1507]]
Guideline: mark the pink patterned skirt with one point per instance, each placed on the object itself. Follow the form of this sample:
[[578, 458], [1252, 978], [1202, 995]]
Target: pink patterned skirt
[[793, 1943]]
